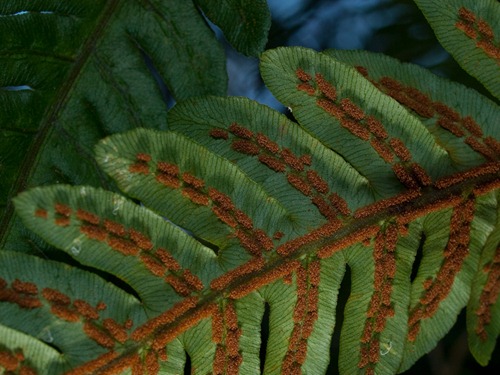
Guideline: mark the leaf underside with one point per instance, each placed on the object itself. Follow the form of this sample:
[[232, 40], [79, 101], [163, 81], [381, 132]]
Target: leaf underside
[[241, 208], [75, 72]]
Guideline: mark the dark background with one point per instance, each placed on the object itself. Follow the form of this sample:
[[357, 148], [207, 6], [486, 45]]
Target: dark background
[[396, 28]]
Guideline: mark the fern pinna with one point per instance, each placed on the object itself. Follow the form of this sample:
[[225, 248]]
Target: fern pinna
[[386, 160]]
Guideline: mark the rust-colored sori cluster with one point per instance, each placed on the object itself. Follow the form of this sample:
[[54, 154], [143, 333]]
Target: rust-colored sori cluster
[[258, 271], [129, 242], [380, 307], [106, 332], [111, 363], [12, 361], [446, 117], [489, 295], [305, 315], [437, 289], [297, 169], [254, 240], [226, 335], [365, 127], [479, 31]]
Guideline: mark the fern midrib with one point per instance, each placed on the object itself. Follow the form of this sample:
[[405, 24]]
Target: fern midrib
[[423, 204], [52, 113]]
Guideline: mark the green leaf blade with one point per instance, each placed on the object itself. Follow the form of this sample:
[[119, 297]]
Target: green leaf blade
[[245, 25], [41, 357], [52, 320], [101, 77], [469, 31], [275, 211], [459, 119], [88, 223], [483, 307], [318, 98], [265, 124]]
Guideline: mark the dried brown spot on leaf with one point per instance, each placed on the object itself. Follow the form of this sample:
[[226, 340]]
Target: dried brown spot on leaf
[[405, 177], [317, 182], [196, 197], [355, 128], [193, 281], [115, 228], [382, 149], [292, 160], [87, 217], [362, 70], [307, 88], [183, 323], [355, 237], [24, 287], [124, 246], [485, 169], [482, 148], [300, 184], [324, 208]]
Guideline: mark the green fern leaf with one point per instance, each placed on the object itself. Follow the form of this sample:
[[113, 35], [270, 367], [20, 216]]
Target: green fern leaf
[[245, 24], [444, 108], [276, 212], [387, 161], [469, 30], [73, 73]]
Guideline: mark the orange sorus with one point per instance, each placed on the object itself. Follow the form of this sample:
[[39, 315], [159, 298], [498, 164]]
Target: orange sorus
[[326, 87], [254, 264], [302, 75], [140, 240], [400, 149], [272, 162], [116, 330], [240, 131], [384, 204], [193, 280], [263, 279], [98, 335], [85, 309], [165, 318], [352, 109], [351, 239], [167, 259], [153, 265], [195, 196], [94, 232], [87, 216], [245, 147], [115, 228], [267, 143], [219, 133], [42, 213]]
